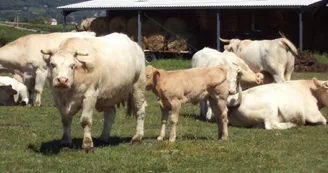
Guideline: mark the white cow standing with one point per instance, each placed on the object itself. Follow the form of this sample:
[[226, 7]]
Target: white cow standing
[[97, 73], [276, 56], [23, 58], [208, 57], [280, 105]]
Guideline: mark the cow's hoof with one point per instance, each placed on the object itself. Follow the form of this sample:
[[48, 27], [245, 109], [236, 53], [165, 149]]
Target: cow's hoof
[[65, 145], [88, 150], [172, 140], [223, 138], [160, 138], [135, 141]]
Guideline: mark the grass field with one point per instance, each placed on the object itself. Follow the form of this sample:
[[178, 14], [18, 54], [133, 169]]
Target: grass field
[[30, 138]]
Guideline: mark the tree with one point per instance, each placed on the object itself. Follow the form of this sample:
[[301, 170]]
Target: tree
[[38, 20]]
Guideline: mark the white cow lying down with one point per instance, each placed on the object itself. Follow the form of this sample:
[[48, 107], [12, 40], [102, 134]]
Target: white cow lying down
[[97, 73], [7, 95], [22, 93], [280, 105]]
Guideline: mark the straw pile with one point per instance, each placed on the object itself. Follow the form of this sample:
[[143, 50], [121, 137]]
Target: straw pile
[[86, 24], [154, 42]]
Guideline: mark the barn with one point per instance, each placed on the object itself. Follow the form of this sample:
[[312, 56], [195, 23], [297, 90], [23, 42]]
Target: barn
[[197, 23]]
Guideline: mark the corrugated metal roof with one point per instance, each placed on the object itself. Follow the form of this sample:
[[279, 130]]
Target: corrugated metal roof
[[153, 4]]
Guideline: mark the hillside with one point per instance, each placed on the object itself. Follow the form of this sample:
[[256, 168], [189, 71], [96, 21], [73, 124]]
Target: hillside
[[17, 4], [29, 9]]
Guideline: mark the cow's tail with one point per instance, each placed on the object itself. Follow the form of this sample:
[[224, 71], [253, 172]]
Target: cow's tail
[[288, 45]]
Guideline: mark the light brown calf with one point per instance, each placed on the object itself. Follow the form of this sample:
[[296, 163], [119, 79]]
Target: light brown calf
[[192, 85]]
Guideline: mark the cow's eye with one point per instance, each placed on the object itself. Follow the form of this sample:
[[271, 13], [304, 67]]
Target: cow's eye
[[72, 66], [52, 65]]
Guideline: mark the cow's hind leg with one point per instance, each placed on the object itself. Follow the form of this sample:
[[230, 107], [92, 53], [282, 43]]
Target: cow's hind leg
[[139, 109], [220, 110], [109, 117]]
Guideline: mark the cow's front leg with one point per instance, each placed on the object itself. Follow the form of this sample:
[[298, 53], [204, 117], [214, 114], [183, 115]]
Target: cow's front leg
[[174, 120], [89, 103], [109, 117], [40, 79], [66, 140], [165, 115]]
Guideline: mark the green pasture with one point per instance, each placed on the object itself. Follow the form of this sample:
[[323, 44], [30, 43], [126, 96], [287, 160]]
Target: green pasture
[[30, 140]]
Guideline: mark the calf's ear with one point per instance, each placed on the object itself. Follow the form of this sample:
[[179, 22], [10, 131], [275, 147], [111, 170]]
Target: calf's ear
[[317, 83]]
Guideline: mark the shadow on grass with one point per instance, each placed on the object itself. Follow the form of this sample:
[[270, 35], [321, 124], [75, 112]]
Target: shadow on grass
[[53, 147], [197, 117]]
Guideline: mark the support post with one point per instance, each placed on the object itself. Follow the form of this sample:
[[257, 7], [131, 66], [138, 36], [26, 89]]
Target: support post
[[300, 30], [139, 28], [64, 23], [218, 31]]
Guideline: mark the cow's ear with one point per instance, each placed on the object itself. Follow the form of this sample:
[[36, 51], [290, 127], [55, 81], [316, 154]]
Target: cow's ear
[[10, 90], [46, 55]]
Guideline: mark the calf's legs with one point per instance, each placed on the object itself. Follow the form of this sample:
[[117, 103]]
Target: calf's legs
[[165, 115], [220, 110], [175, 109]]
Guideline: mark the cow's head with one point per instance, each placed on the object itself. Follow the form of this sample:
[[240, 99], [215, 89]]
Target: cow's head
[[62, 65], [232, 45], [321, 92], [150, 71]]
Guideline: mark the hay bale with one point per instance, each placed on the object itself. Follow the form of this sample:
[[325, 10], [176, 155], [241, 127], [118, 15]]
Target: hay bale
[[100, 26], [175, 25], [155, 42], [152, 26], [86, 24], [182, 42], [132, 27], [117, 24]]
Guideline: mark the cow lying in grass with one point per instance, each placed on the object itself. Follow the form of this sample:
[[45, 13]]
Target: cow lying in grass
[[7, 95], [235, 66], [22, 94], [280, 105], [192, 85], [97, 73]]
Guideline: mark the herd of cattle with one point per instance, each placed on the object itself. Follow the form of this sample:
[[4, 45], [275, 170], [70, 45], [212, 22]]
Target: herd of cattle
[[88, 72]]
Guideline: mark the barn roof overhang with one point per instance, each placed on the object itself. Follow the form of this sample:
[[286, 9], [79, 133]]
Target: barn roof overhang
[[189, 4]]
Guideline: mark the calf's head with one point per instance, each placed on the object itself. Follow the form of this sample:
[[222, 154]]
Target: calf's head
[[233, 75], [150, 71], [62, 65]]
